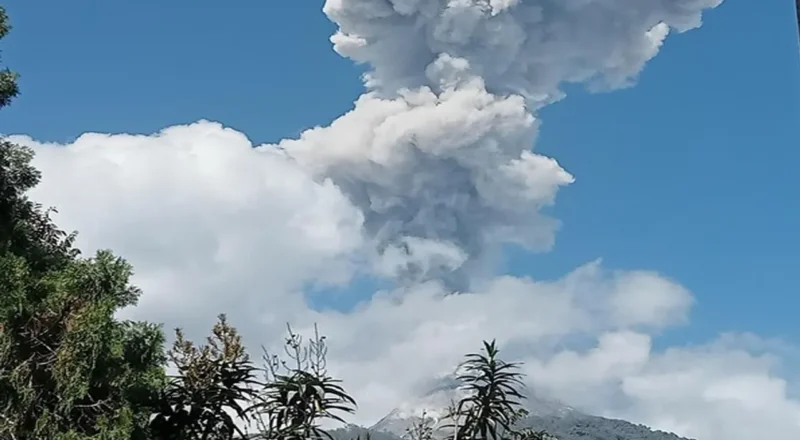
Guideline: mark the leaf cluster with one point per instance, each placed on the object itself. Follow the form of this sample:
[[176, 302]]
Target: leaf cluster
[[68, 368], [216, 391], [8, 79], [212, 381], [492, 404]]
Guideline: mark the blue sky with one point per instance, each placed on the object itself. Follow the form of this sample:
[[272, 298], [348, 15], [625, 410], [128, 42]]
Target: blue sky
[[691, 173]]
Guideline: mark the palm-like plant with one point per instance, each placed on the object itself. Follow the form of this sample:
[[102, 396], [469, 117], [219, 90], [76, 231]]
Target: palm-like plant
[[492, 401], [299, 393], [296, 402]]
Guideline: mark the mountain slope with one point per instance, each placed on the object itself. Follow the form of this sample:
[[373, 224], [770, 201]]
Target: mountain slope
[[572, 427], [585, 427], [560, 420]]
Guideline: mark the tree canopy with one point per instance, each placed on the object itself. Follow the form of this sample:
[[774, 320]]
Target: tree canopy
[[68, 368], [8, 79]]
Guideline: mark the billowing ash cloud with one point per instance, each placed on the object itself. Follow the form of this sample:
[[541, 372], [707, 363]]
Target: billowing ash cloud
[[525, 47], [440, 178], [437, 154]]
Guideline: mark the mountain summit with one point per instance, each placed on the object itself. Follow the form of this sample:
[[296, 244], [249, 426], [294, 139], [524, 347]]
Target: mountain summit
[[444, 393], [556, 418]]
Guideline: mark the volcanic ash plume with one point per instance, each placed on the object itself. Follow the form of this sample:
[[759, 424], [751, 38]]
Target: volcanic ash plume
[[526, 47], [437, 152]]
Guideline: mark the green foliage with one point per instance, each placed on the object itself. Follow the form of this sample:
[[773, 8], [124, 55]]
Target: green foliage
[[68, 368], [26, 230], [214, 381], [8, 79], [492, 406], [216, 388], [492, 400], [298, 393]]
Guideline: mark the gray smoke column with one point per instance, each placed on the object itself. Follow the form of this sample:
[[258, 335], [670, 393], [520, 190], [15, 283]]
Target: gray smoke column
[[437, 153]]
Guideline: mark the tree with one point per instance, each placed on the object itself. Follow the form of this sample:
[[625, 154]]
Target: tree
[[492, 398], [214, 380], [68, 369], [216, 387], [8, 79], [492, 405], [298, 392]]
